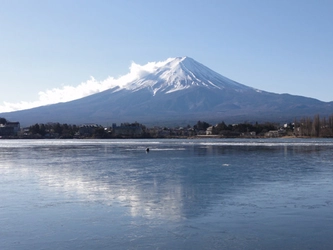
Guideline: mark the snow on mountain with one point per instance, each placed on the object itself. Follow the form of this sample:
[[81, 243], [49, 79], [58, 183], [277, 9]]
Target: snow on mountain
[[181, 73]]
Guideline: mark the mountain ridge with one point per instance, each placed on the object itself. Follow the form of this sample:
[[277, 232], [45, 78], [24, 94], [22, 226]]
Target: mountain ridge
[[178, 91]]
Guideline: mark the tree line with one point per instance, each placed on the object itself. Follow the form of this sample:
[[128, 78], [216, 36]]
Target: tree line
[[232, 130], [315, 126], [3, 121], [54, 130]]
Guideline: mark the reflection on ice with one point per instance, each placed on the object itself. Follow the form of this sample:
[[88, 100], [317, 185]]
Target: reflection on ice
[[146, 199]]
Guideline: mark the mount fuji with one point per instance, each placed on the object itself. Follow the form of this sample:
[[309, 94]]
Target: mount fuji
[[177, 91]]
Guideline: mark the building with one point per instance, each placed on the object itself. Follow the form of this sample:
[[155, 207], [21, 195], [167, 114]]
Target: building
[[88, 129], [127, 130], [209, 130], [275, 133], [9, 129]]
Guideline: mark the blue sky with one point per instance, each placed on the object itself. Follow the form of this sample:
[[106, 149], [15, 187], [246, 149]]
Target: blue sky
[[47, 47]]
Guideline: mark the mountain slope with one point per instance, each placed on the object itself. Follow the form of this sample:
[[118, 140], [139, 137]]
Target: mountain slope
[[178, 91]]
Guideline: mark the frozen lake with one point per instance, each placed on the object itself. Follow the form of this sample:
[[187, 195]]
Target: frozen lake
[[183, 194]]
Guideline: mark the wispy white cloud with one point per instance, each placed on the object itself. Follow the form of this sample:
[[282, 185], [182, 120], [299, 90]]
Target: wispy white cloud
[[91, 86]]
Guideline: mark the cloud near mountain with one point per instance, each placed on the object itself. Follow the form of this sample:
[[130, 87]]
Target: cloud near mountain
[[89, 87]]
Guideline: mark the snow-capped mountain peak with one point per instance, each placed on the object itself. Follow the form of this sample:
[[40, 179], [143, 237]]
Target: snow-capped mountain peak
[[177, 74], [176, 91]]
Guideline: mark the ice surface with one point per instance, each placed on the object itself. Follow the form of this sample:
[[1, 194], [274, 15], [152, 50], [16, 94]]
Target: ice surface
[[183, 194]]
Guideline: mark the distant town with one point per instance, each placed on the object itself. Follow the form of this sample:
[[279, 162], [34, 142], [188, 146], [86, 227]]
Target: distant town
[[306, 127]]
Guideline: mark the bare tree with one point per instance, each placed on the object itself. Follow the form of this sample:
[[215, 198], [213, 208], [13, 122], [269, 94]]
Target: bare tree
[[316, 126]]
